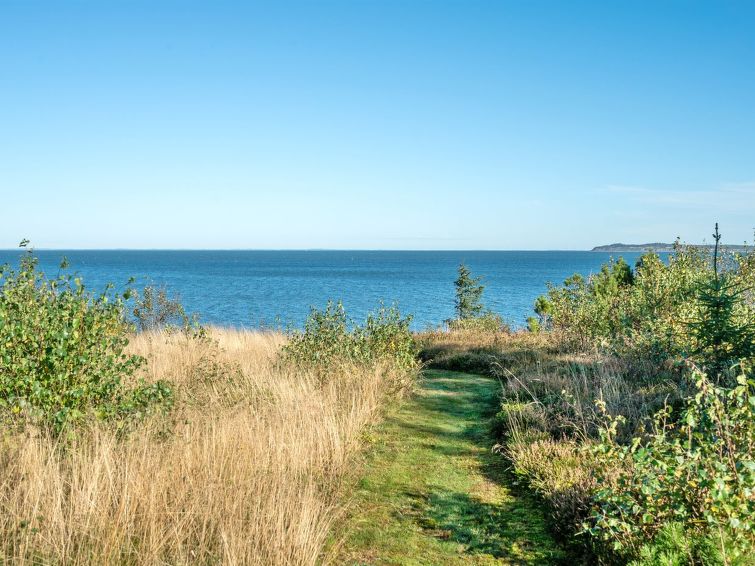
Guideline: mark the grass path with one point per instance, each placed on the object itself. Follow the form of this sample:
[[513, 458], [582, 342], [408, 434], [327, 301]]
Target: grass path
[[433, 492]]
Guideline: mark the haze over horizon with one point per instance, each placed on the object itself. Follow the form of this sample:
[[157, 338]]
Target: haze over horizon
[[375, 125], [31, 246]]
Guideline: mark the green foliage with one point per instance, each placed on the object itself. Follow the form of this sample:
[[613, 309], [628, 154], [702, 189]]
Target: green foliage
[[697, 471], [330, 337], [534, 324], [544, 312], [386, 334], [723, 332], [155, 309], [660, 311], [487, 322], [590, 309], [673, 546], [434, 493], [469, 291], [62, 350], [677, 487], [720, 334]]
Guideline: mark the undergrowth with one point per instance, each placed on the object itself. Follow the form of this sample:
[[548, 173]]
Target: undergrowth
[[628, 406]]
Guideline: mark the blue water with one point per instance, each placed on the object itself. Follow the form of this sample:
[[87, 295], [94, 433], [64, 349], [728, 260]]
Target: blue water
[[253, 288]]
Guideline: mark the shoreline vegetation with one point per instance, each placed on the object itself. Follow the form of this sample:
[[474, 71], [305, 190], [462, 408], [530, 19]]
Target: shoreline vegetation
[[178, 444], [247, 466], [629, 407], [619, 428]]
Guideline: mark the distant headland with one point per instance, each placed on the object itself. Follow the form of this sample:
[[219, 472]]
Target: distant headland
[[658, 247]]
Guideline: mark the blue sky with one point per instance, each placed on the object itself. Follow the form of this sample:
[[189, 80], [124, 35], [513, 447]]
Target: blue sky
[[388, 125]]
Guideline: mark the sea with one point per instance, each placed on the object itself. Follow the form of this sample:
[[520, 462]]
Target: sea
[[270, 289]]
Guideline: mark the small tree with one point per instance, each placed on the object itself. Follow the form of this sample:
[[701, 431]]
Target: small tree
[[468, 294], [544, 311], [722, 335], [155, 309]]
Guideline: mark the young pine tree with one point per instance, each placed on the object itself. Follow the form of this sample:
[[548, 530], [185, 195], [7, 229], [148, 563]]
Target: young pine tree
[[468, 294], [721, 336]]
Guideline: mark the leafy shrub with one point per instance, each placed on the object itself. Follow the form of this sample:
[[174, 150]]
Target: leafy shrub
[[653, 313], [155, 309], [329, 337], [534, 324], [697, 471], [544, 312], [63, 350], [486, 322], [663, 471]]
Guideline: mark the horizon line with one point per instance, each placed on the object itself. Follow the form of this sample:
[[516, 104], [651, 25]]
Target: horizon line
[[292, 249]]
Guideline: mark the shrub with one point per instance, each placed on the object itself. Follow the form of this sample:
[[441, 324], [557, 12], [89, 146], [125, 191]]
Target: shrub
[[330, 338], [697, 471], [62, 350], [487, 322], [544, 311], [673, 546], [654, 313], [590, 309], [155, 309], [533, 324], [386, 335]]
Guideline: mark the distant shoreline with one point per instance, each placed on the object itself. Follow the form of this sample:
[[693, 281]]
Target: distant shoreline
[[660, 247]]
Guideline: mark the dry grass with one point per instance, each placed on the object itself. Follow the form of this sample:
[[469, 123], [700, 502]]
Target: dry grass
[[248, 468], [548, 408]]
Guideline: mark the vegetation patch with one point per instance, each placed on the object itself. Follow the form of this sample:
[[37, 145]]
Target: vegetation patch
[[435, 493], [627, 406], [243, 463], [63, 352]]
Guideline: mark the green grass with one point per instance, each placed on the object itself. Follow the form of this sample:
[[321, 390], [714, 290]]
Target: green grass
[[434, 493]]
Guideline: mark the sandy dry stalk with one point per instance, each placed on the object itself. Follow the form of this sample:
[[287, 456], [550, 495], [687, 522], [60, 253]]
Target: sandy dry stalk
[[246, 469]]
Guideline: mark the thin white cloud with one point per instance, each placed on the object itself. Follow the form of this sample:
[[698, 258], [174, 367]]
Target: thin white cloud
[[729, 198]]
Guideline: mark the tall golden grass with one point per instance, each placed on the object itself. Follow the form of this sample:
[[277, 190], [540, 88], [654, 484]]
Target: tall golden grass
[[247, 468]]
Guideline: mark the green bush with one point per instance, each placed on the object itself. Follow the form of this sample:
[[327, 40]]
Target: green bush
[[330, 337], [62, 350], [654, 313], [673, 546], [676, 488], [534, 325], [697, 470], [487, 322], [155, 309]]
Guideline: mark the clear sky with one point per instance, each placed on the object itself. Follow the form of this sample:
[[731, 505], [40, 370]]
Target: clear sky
[[383, 124]]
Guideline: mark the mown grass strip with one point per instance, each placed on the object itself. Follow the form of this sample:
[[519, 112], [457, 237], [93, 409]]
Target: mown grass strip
[[434, 493]]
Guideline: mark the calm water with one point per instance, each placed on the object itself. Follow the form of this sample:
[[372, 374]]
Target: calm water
[[249, 288]]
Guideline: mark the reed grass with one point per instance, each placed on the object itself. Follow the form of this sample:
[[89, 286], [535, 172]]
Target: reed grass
[[247, 468]]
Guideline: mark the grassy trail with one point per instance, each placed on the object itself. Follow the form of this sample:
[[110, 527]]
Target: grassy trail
[[434, 493]]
